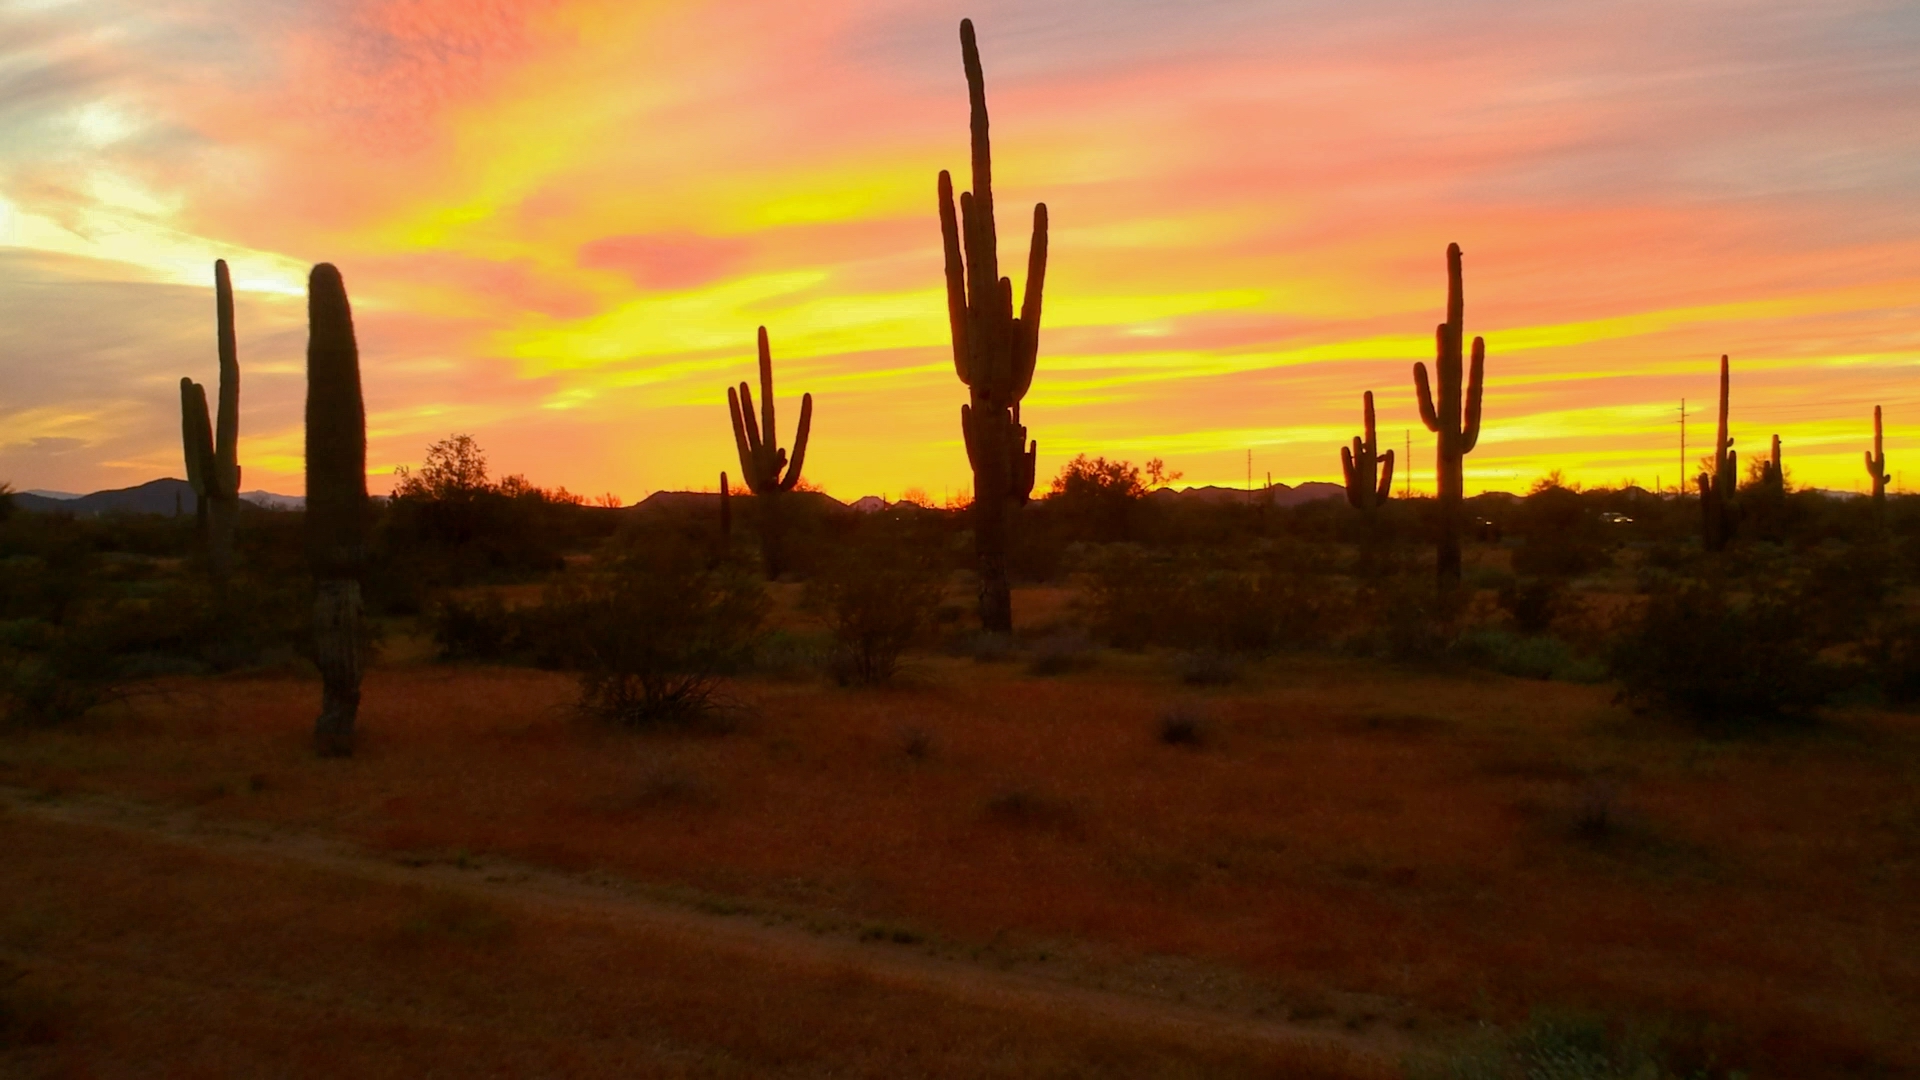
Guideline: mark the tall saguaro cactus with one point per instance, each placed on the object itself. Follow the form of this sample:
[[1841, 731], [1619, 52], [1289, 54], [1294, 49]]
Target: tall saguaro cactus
[[336, 505], [1717, 489], [1369, 472], [762, 461], [1454, 418], [213, 450], [1877, 463], [994, 351]]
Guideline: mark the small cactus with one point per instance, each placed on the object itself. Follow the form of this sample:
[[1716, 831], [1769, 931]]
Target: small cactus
[[726, 510], [1877, 463], [1717, 489], [764, 466], [1363, 462], [1772, 479], [994, 352], [336, 505], [1455, 417], [213, 449]]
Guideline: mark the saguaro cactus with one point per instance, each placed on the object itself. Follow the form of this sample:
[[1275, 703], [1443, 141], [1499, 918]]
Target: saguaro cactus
[[761, 461], [213, 451], [726, 510], [336, 505], [993, 351], [1455, 419], [1369, 472], [1772, 479], [1717, 489], [1877, 463]]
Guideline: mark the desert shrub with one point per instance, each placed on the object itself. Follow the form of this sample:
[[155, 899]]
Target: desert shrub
[[1532, 602], [1207, 667], [876, 598], [1061, 652], [1567, 1046], [653, 630], [483, 629], [1198, 602], [1404, 619], [1527, 656], [1723, 665], [1181, 725], [783, 654], [74, 670]]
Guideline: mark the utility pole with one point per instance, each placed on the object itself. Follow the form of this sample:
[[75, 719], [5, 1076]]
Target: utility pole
[[1681, 487]]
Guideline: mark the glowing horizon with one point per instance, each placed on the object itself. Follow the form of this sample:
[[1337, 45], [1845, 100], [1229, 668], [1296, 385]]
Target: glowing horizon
[[561, 221]]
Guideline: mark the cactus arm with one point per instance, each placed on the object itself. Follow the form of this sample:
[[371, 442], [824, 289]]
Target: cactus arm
[[966, 434], [1456, 297], [1385, 491], [1023, 481], [1366, 421], [987, 251], [799, 443], [1427, 415], [956, 268], [225, 478], [1029, 352], [1873, 470], [194, 443], [1722, 442], [740, 434], [1476, 380], [1346, 467], [767, 430]]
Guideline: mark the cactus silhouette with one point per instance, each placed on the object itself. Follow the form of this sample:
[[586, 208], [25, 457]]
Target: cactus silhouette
[[1454, 418], [1717, 510], [1772, 479], [212, 451], [994, 351], [726, 510], [1877, 463], [764, 466], [1369, 473], [336, 505]]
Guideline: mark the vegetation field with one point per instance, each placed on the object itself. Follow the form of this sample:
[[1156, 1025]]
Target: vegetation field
[[1327, 866]]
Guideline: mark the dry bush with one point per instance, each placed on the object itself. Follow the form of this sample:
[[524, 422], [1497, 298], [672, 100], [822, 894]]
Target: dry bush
[[652, 633], [877, 598], [1722, 665]]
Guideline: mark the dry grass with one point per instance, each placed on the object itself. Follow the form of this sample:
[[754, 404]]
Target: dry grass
[[1351, 844]]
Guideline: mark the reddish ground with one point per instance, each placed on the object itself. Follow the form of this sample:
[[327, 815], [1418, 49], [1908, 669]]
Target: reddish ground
[[1351, 849]]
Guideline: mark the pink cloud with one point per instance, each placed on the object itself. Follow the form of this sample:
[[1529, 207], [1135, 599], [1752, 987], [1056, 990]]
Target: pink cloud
[[666, 261]]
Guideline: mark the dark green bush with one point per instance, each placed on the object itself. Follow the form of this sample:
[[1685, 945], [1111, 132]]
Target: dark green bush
[[1722, 664]]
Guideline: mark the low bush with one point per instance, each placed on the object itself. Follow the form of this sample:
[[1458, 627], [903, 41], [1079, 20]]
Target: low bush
[[1182, 725], [1723, 665], [877, 599], [652, 631], [1060, 653]]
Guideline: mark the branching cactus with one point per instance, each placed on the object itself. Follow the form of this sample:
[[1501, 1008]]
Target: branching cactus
[[1455, 417], [1369, 472], [336, 505], [1717, 489], [1772, 479], [994, 351], [1877, 463], [213, 451], [763, 464]]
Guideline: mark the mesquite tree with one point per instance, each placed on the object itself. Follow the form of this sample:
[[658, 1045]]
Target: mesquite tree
[[1369, 472], [994, 352], [1455, 419], [213, 449], [762, 461], [336, 505]]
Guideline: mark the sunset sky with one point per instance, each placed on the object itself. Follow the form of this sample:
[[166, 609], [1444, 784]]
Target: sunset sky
[[561, 221]]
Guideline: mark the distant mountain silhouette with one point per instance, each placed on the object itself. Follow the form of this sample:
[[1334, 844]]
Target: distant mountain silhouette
[[1277, 495], [164, 497]]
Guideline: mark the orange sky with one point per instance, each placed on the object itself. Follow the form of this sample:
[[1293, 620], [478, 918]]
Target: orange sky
[[561, 221]]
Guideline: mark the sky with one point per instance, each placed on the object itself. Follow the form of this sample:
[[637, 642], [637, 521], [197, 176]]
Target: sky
[[562, 221]]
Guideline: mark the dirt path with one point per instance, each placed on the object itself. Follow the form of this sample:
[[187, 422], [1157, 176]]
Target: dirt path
[[599, 897]]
